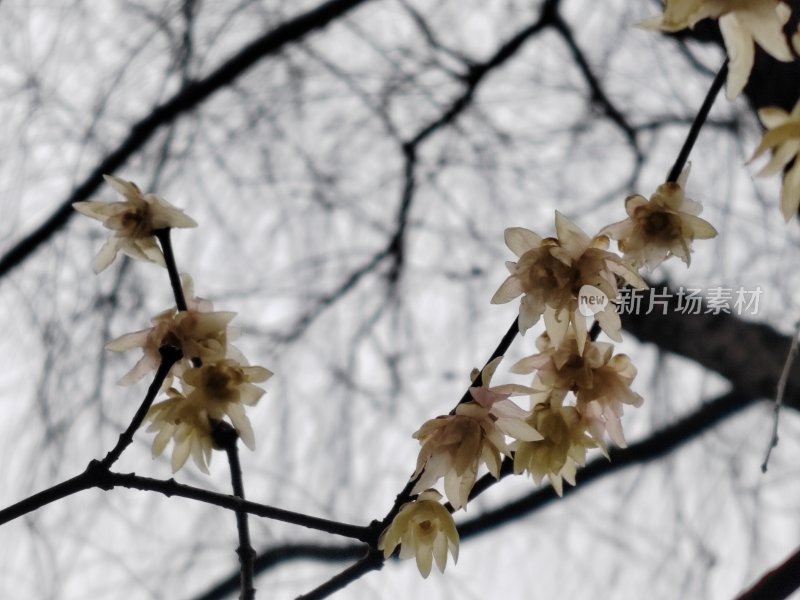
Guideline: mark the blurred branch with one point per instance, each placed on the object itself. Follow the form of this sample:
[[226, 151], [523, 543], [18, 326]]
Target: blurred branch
[[373, 561], [781, 392], [599, 95], [188, 98], [277, 555], [395, 248], [750, 355], [778, 583]]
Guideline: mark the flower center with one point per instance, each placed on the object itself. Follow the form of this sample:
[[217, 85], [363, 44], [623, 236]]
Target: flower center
[[661, 225]]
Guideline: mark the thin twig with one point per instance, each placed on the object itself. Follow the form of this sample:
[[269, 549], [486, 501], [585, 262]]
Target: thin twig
[[371, 562], [274, 556], [227, 437], [97, 476], [784, 378], [91, 477], [169, 356], [170, 487], [163, 237], [698, 123]]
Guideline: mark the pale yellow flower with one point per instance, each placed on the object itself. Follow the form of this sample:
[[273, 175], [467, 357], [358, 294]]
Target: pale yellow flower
[[600, 380], [225, 387], [660, 227], [198, 334], [454, 446], [508, 417], [550, 273], [424, 529], [783, 138], [562, 448], [743, 23], [187, 424], [132, 222]]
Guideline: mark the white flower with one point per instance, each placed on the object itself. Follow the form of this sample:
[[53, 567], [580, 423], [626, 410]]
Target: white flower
[[454, 446], [508, 417], [783, 138], [424, 529], [600, 380], [550, 273], [662, 226], [224, 388], [562, 448], [186, 423], [742, 23], [200, 335], [133, 223]]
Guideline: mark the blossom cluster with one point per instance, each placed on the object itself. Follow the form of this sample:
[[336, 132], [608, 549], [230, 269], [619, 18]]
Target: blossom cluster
[[215, 378], [580, 386], [744, 24]]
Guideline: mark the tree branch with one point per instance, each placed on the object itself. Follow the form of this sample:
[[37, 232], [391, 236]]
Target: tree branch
[[169, 356], [170, 488], [373, 561], [227, 437], [277, 555], [777, 583], [699, 121]]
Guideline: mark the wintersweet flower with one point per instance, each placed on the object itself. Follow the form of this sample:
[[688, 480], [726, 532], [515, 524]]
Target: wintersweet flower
[[424, 529], [783, 138], [133, 223], [453, 447], [509, 418], [742, 23], [551, 271], [561, 450], [599, 379], [224, 388], [660, 227], [199, 335], [602, 403], [187, 424]]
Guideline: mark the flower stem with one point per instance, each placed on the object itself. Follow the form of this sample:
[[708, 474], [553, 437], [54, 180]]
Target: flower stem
[[163, 237], [698, 123]]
